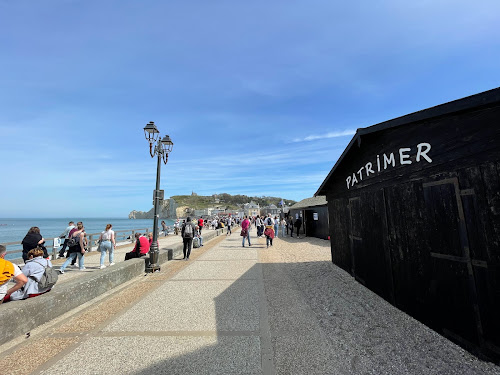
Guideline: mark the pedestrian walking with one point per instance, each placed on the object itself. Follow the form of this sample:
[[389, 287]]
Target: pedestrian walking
[[165, 228], [290, 226], [229, 224], [187, 232], [76, 247], [276, 225], [245, 231], [269, 231], [258, 225], [298, 224], [65, 235], [283, 227], [107, 243]]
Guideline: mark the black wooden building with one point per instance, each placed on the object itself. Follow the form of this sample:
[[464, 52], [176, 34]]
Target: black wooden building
[[414, 215], [314, 215]]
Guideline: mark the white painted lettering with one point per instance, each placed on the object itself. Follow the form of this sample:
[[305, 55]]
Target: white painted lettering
[[403, 157], [360, 173], [354, 179], [389, 160], [369, 169], [423, 153]]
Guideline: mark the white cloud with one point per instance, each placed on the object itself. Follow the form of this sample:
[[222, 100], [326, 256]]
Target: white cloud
[[327, 135]]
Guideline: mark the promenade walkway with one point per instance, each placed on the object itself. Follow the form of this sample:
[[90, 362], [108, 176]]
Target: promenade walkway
[[233, 310]]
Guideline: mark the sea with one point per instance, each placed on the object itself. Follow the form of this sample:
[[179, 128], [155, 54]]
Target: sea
[[14, 230]]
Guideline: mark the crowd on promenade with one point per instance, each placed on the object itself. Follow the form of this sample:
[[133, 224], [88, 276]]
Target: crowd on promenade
[[38, 276]]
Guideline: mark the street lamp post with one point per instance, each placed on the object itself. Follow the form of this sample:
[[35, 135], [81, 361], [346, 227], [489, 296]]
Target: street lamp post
[[161, 148]]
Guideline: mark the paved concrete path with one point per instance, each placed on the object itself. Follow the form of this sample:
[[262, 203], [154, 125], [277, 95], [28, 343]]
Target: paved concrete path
[[233, 310], [92, 259]]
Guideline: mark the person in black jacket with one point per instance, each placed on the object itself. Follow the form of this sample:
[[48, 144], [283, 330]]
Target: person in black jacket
[[32, 240], [298, 224], [187, 232]]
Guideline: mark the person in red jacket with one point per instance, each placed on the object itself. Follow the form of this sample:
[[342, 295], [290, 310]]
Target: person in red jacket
[[200, 224], [141, 247]]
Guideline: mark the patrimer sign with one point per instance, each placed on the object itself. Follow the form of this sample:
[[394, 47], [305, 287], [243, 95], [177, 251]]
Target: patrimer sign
[[386, 160]]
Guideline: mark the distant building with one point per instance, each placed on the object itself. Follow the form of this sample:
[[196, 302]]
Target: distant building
[[251, 209], [314, 215], [271, 209]]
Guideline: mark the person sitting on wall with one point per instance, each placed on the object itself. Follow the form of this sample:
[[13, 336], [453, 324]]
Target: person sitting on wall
[[9, 270], [197, 234], [141, 247], [33, 270]]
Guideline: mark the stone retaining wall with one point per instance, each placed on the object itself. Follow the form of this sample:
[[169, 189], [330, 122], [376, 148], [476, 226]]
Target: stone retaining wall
[[22, 316]]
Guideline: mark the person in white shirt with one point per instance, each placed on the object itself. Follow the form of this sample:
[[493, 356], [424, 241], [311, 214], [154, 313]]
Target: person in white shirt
[[65, 235], [229, 223], [9, 269], [107, 243]]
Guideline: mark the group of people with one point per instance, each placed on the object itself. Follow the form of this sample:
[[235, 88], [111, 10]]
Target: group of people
[[25, 281], [75, 239]]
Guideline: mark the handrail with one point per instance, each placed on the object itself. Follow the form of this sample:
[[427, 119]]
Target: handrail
[[122, 235]]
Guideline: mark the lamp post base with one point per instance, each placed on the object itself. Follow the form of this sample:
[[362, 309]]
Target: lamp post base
[[153, 268], [154, 253]]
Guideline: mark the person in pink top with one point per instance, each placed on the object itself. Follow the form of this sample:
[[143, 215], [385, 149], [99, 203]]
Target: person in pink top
[[141, 247], [245, 231]]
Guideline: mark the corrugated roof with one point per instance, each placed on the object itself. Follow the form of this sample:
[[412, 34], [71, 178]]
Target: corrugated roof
[[310, 202], [482, 99]]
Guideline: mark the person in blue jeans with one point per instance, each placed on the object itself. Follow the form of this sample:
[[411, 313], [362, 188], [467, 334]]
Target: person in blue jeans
[[245, 231], [276, 225], [107, 243], [77, 249]]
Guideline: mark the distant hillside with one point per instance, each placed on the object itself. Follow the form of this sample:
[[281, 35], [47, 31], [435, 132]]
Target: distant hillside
[[169, 207], [224, 200]]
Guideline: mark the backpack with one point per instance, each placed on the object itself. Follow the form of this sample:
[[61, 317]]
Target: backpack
[[49, 277], [196, 242], [188, 231], [73, 241]]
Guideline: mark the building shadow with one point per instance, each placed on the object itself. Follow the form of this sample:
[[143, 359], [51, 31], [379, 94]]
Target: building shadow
[[315, 319]]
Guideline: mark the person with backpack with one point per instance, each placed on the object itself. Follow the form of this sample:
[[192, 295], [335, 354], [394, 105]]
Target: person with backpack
[[187, 233], [34, 270], [76, 248], [269, 232]]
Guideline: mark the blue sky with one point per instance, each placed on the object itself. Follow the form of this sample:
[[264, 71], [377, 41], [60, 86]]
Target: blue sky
[[259, 97]]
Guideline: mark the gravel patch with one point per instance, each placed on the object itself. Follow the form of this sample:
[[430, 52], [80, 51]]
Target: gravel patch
[[317, 308]]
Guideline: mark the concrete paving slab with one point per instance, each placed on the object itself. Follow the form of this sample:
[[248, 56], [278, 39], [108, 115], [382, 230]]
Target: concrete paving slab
[[162, 355], [204, 270], [249, 254], [194, 306]]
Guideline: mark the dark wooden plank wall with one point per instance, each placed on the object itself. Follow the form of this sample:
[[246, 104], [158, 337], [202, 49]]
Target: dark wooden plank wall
[[426, 236]]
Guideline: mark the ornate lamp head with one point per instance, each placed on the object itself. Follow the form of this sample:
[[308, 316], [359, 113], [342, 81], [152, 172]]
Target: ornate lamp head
[[151, 132]]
